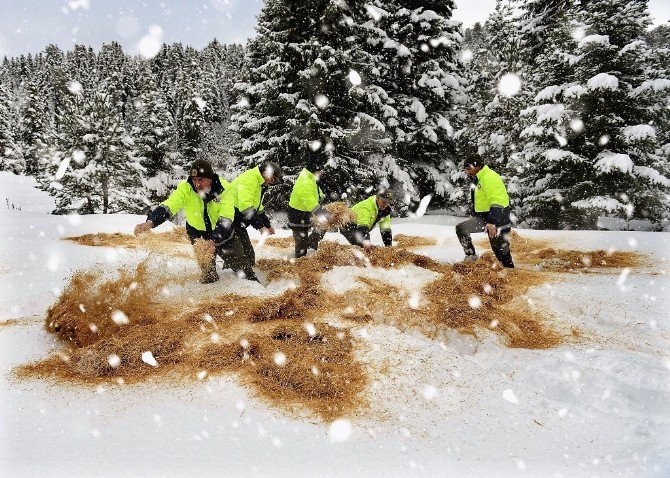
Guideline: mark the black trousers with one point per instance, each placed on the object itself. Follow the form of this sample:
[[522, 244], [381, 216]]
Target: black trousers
[[306, 238], [499, 244], [353, 235], [239, 254]]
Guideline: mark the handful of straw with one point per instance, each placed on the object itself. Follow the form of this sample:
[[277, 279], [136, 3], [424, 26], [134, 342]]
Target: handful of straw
[[340, 215], [203, 256]]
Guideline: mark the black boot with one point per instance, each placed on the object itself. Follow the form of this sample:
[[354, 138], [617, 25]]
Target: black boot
[[247, 273]]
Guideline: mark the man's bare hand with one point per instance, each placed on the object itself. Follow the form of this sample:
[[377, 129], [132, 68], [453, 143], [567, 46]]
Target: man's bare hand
[[491, 230], [143, 227], [268, 231]]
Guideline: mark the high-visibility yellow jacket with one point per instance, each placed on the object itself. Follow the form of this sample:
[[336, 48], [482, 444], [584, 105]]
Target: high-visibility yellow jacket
[[368, 214], [244, 206], [489, 190], [305, 200], [306, 194], [199, 212]]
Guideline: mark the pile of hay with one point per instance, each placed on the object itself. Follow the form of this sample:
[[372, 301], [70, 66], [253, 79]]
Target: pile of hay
[[406, 241], [171, 242], [279, 242], [91, 308], [281, 346], [203, 254], [537, 253], [565, 261], [340, 216], [314, 368]]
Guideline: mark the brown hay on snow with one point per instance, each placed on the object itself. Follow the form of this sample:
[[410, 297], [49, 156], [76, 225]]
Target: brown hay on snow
[[340, 215], [279, 242], [561, 260], [203, 256], [535, 252], [473, 296], [163, 242], [319, 371], [84, 311], [414, 241], [207, 336]]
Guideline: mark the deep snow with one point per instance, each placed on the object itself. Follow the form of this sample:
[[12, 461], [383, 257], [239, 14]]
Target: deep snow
[[462, 407]]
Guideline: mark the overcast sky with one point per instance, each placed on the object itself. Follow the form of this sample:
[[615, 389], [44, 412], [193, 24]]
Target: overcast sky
[[27, 26]]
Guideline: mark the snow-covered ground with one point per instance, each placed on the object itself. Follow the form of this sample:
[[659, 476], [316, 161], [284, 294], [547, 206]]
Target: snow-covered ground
[[462, 407]]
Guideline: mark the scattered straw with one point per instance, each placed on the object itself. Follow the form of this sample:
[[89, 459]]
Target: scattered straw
[[414, 241], [170, 242], [265, 341], [203, 255], [537, 253], [279, 242], [340, 216], [289, 366]]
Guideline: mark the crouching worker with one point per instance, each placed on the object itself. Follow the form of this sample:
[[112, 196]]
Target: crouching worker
[[304, 207], [244, 207], [491, 212], [370, 212], [201, 197]]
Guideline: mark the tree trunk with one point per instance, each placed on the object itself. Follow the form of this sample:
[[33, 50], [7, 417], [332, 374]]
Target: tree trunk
[[105, 194]]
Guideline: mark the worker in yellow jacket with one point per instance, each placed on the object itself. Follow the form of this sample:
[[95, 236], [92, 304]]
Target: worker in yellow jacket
[[375, 210], [491, 212], [304, 207], [201, 196], [243, 206]]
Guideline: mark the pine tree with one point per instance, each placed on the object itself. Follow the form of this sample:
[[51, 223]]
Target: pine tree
[[493, 126], [33, 131], [153, 134], [601, 159], [299, 93], [420, 75], [96, 169], [9, 159]]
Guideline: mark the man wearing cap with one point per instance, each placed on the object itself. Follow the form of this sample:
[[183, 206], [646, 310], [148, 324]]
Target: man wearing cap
[[491, 212], [202, 197], [370, 212], [305, 207], [244, 207]]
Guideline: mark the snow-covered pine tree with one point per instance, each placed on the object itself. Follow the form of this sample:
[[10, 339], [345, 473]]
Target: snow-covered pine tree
[[9, 160], [226, 63], [33, 133], [658, 84], [493, 127], [540, 19], [311, 84], [190, 114], [153, 134], [601, 159], [416, 47], [96, 169]]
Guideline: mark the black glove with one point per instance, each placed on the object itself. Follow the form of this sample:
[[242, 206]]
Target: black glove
[[159, 215]]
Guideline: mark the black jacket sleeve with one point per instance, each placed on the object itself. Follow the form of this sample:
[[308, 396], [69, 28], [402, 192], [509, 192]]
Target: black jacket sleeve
[[499, 216], [159, 215], [260, 220]]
